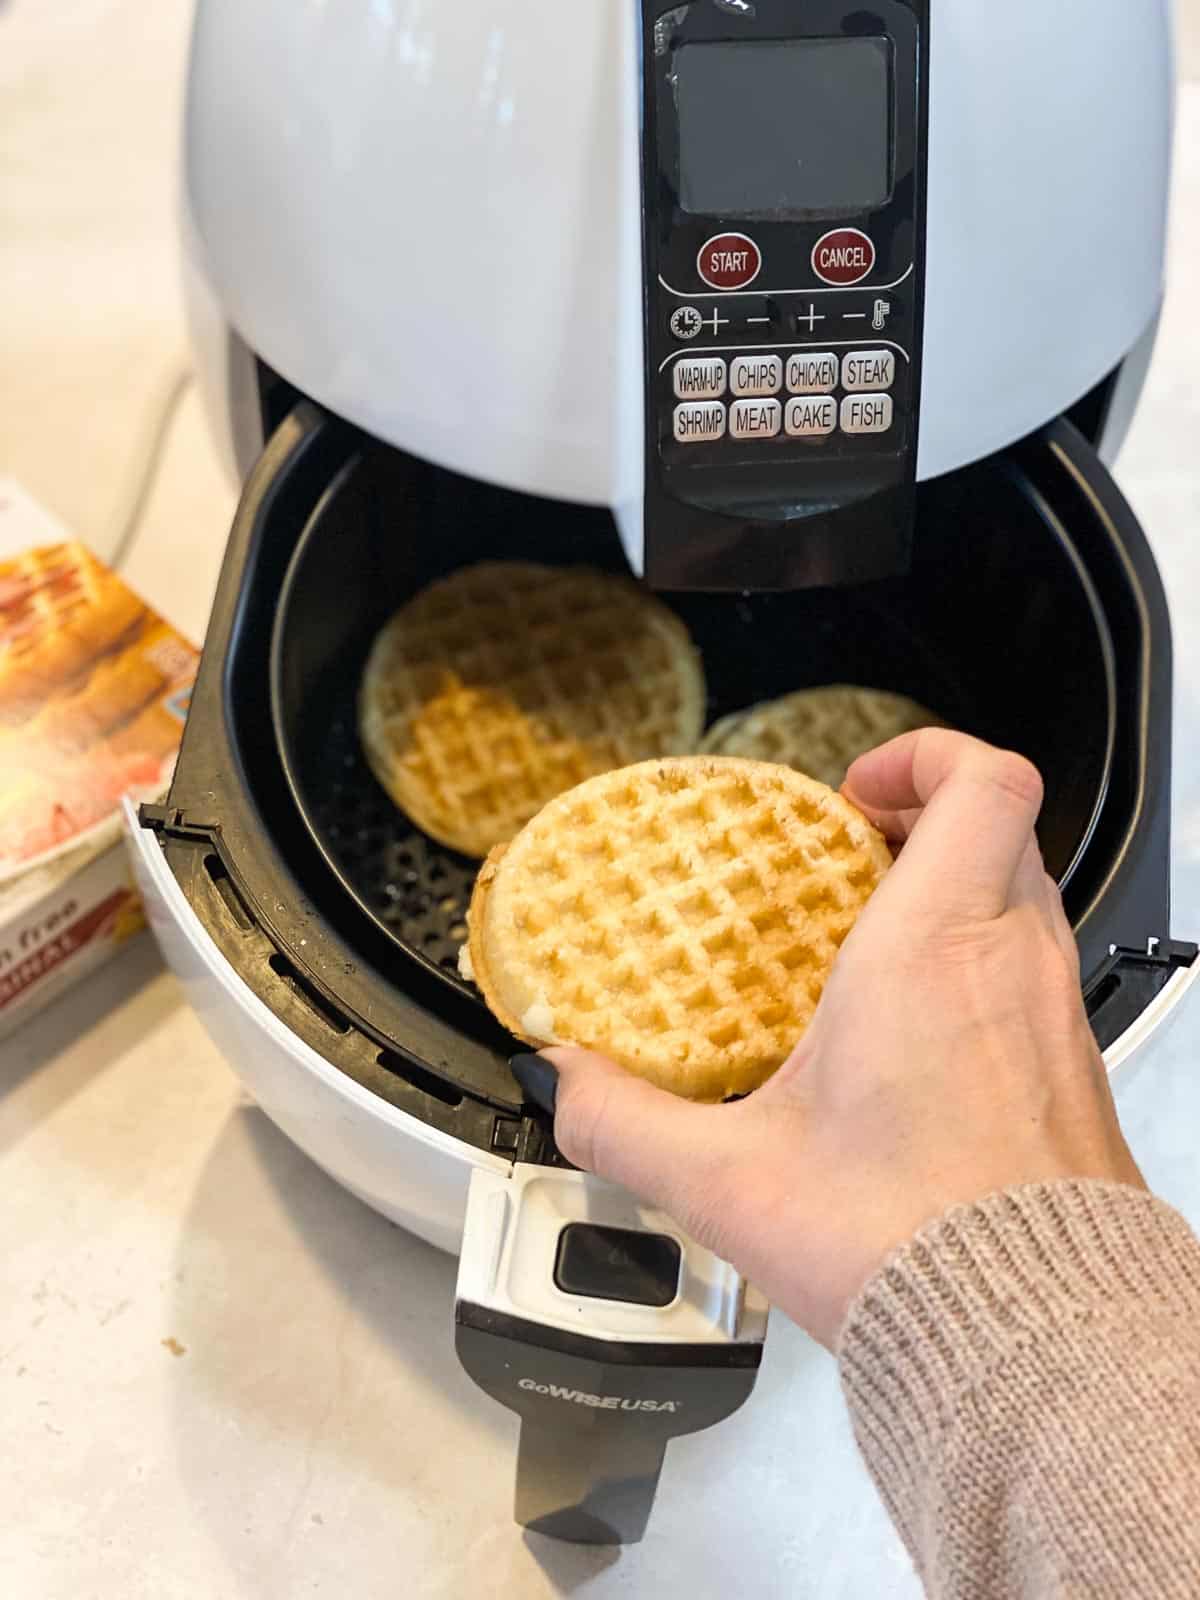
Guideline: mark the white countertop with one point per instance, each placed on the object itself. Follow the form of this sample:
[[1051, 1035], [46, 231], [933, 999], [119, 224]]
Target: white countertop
[[221, 1376]]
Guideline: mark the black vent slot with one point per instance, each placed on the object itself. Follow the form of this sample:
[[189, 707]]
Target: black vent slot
[[312, 998], [223, 884], [428, 1082], [1102, 994], [1133, 982]]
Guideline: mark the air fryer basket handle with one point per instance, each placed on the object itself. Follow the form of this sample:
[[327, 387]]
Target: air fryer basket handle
[[600, 1494], [608, 1333], [596, 1415]]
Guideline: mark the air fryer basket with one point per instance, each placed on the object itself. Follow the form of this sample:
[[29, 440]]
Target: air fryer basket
[[998, 629], [1034, 616]]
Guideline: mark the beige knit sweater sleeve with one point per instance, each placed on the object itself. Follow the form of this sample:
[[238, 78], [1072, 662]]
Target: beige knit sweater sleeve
[[1024, 1381]]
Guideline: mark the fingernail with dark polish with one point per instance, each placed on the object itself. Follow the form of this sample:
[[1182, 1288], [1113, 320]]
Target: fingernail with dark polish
[[538, 1079]]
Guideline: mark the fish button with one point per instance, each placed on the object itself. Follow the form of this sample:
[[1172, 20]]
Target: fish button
[[866, 413], [868, 369], [755, 374], [754, 419]]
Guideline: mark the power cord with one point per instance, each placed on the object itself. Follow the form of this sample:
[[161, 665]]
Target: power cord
[[145, 461]]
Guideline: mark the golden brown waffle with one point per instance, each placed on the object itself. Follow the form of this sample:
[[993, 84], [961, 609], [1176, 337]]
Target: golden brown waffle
[[499, 687], [61, 610], [818, 731], [681, 916]]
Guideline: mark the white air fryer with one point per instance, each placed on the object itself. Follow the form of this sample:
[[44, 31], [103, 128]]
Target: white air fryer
[[822, 318]]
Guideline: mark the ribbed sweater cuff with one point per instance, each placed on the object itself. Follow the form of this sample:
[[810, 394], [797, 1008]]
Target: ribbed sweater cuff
[[985, 1282]]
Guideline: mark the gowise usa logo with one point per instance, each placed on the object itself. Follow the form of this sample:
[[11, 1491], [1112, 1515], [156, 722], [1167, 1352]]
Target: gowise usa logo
[[598, 1402]]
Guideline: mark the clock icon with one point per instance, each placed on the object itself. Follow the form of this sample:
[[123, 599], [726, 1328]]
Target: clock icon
[[686, 322]]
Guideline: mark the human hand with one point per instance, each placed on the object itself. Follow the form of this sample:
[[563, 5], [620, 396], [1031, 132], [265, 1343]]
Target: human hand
[[950, 1055]]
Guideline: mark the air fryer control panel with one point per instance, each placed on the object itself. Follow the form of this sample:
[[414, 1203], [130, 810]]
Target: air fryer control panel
[[783, 207]]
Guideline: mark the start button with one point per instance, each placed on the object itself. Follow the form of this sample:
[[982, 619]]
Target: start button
[[728, 261], [843, 256]]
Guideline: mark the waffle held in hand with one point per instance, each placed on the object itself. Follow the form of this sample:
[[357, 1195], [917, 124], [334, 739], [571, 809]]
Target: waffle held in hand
[[679, 916], [496, 688]]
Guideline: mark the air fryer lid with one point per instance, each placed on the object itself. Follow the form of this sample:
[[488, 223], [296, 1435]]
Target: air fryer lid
[[998, 629]]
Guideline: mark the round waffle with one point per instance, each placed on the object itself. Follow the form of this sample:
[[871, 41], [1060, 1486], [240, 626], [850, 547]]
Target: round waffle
[[680, 916], [497, 688], [818, 731]]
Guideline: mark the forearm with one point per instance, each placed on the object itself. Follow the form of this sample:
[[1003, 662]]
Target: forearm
[[1024, 1381]]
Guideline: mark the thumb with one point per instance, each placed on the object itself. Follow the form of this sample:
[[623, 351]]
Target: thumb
[[666, 1150]]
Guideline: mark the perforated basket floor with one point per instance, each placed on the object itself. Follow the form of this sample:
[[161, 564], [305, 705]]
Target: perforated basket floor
[[418, 889]]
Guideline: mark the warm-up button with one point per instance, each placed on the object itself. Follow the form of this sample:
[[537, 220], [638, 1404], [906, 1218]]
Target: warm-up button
[[867, 413], [866, 370], [699, 378], [699, 422]]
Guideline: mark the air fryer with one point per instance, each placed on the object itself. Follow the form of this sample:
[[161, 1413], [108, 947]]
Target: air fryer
[[347, 920], [514, 281]]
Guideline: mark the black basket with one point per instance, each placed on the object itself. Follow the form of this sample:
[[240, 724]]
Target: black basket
[[992, 569]]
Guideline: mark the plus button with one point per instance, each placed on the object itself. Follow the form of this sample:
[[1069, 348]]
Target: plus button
[[810, 317]]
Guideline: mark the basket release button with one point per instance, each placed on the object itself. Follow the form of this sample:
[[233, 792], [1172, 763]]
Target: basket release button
[[641, 1269]]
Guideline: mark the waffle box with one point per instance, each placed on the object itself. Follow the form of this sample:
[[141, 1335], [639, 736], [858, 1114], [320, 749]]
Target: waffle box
[[94, 689]]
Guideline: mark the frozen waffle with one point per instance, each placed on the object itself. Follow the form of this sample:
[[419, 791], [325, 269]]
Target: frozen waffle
[[61, 611], [93, 690], [819, 732], [497, 688], [680, 916]]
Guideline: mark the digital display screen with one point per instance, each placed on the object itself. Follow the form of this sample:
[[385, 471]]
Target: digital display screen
[[795, 127]]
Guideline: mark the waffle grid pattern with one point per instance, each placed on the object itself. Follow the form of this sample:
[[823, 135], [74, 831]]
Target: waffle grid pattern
[[507, 683], [819, 732], [680, 916]]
